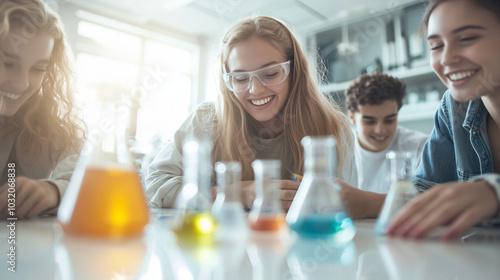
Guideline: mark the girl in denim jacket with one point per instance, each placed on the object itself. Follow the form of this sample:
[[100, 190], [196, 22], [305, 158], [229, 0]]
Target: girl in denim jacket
[[463, 153]]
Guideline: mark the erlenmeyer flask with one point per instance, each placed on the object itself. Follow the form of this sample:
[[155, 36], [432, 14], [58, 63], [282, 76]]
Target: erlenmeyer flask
[[105, 197], [267, 214], [402, 189], [195, 221], [317, 209], [227, 208]]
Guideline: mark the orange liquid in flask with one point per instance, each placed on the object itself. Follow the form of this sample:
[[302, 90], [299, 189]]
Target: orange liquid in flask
[[268, 223], [110, 203]]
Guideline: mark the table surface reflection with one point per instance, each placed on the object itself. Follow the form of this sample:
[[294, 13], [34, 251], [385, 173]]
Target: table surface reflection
[[44, 252]]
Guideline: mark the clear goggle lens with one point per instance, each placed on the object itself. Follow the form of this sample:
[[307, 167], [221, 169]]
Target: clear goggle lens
[[268, 76]]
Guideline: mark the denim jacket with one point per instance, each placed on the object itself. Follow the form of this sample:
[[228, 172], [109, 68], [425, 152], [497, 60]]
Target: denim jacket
[[458, 148]]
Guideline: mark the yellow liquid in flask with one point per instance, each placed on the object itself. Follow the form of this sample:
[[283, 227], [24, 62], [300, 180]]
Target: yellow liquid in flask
[[110, 203]]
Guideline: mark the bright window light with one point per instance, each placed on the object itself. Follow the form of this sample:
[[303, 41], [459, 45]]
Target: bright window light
[[160, 72], [169, 57], [122, 44], [102, 76]]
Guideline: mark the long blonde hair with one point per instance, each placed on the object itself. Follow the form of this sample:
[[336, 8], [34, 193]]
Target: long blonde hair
[[306, 112], [49, 115]]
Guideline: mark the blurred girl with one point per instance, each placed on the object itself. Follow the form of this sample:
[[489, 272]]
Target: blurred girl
[[39, 135]]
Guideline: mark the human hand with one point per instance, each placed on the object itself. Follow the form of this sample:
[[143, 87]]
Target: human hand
[[247, 193], [359, 203], [457, 206], [288, 189], [32, 197], [213, 191], [353, 198]]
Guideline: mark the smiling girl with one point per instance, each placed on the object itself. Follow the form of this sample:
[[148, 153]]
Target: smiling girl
[[463, 153], [39, 135], [268, 102]]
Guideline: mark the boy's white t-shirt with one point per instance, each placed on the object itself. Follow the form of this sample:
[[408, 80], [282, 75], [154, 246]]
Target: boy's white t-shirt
[[373, 167]]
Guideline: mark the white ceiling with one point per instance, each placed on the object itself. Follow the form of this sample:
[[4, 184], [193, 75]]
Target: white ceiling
[[209, 18]]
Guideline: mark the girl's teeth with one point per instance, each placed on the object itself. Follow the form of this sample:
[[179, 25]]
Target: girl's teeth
[[9, 95], [461, 75], [261, 101]]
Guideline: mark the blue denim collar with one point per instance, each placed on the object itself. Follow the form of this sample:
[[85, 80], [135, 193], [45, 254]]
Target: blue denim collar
[[475, 115]]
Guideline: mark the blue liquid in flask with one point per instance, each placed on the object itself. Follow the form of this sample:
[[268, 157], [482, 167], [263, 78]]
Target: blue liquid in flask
[[335, 226], [317, 210]]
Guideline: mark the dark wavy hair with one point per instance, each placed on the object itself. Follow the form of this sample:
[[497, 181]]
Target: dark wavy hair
[[490, 5], [374, 89]]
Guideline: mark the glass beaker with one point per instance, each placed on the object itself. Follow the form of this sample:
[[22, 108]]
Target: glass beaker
[[317, 209], [195, 220], [267, 213], [105, 197], [401, 191], [227, 208]]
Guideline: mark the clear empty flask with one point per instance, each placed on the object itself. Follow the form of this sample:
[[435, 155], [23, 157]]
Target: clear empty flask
[[227, 208], [267, 213], [401, 191], [195, 220], [105, 197], [317, 209]]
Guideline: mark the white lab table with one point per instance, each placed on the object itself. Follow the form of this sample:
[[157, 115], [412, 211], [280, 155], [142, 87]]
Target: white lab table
[[44, 252]]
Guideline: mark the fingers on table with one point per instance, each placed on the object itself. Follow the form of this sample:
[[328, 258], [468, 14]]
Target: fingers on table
[[421, 215], [287, 194]]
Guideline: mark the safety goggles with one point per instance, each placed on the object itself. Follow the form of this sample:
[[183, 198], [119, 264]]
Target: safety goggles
[[268, 76]]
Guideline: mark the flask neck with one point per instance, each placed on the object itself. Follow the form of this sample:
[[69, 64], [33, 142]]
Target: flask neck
[[231, 192], [108, 137], [320, 161], [400, 166], [267, 174], [267, 198], [197, 169], [228, 181]]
